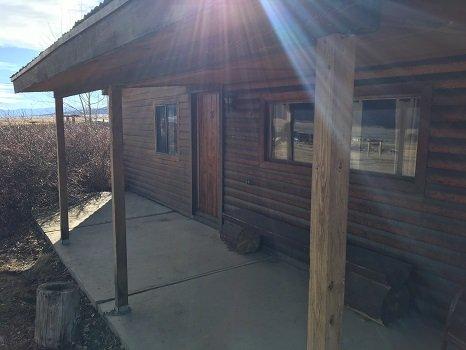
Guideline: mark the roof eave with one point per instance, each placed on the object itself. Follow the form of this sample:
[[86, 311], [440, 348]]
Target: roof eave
[[78, 29]]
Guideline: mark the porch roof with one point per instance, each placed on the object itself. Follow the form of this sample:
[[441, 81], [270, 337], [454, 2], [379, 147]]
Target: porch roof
[[137, 42]]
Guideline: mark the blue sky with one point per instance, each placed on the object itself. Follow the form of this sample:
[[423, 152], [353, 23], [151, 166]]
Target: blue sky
[[11, 60], [28, 27]]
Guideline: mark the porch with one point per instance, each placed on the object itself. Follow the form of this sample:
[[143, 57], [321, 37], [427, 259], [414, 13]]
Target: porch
[[188, 291]]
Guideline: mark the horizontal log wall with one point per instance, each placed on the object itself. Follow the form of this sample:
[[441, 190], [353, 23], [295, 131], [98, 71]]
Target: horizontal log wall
[[425, 228], [162, 177]]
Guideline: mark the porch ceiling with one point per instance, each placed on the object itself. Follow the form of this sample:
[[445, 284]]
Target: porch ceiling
[[134, 42]]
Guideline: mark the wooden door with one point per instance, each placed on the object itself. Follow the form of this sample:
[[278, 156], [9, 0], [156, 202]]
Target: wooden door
[[208, 113]]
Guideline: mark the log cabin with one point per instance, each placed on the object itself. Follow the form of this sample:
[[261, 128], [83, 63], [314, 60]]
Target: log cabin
[[318, 126]]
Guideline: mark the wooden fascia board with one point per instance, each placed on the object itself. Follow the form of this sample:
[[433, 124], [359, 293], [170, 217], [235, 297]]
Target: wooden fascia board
[[102, 13]]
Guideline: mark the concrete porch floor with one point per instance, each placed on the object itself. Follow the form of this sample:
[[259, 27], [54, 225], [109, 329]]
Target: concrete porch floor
[[188, 291]]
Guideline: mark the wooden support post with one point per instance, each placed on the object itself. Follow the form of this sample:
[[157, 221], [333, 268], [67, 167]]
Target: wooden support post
[[118, 200], [329, 202], [61, 166]]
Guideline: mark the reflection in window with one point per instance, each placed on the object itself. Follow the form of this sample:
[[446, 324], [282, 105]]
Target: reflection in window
[[291, 131], [166, 122], [384, 135], [172, 123]]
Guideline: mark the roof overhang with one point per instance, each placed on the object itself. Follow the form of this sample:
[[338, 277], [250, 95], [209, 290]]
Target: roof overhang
[[76, 30], [186, 42], [132, 40]]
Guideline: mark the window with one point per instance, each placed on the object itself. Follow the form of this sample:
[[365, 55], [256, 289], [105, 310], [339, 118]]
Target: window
[[166, 124], [291, 131], [385, 135]]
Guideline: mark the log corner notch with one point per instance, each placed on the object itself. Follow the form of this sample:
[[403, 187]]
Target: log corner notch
[[335, 61], [118, 200], [61, 168]]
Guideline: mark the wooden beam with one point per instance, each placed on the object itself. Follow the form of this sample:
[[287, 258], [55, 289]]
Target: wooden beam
[[118, 199], [411, 70], [68, 92], [330, 178], [61, 166]]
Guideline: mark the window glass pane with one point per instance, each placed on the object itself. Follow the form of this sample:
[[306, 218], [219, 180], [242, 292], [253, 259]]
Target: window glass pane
[[356, 136], [292, 126], [281, 132], [302, 116], [172, 129], [161, 129], [377, 150], [409, 114], [384, 136]]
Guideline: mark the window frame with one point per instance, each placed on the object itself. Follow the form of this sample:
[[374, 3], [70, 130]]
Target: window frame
[[396, 91], [422, 90], [166, 104], [268, 105]]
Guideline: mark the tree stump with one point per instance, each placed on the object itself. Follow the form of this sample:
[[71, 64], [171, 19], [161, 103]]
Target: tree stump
[[57, 306]]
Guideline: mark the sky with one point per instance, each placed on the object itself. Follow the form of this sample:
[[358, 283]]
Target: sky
[[27, 28]]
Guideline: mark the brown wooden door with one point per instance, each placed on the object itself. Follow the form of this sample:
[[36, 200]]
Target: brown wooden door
[[208, 152]]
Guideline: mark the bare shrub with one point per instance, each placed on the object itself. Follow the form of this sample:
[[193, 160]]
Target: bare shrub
[[28, 168]]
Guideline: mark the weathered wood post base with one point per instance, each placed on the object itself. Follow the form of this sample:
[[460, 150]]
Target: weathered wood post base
[[57, 307], [119, 311]]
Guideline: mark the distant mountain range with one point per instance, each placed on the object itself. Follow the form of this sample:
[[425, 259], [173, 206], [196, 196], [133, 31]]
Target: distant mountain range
[[42, 112]]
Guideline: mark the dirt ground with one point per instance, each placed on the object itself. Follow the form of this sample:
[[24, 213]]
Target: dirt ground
[[27, 260]]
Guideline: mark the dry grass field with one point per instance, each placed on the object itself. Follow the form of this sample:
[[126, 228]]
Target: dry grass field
[[28, 186], [28, 175], [50, 119]]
